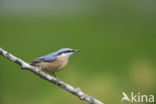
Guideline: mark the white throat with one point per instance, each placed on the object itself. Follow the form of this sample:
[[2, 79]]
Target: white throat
[[66, 54]]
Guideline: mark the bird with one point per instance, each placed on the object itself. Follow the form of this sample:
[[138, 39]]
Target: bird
[[54, 61]]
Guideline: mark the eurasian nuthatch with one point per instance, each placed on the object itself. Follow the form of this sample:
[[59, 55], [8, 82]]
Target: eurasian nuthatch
[[55, 61]]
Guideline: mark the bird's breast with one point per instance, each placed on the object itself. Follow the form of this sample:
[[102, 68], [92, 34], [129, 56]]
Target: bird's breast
[[56, 65], [61, 61]]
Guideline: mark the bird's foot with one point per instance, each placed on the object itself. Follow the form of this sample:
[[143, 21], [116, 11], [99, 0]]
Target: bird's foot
[[39, 70], [57, 81]]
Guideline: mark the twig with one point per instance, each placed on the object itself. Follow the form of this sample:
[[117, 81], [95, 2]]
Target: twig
[[67, 87]]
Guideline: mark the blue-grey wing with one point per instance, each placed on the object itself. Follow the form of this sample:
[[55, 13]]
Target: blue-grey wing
[[47, 58]]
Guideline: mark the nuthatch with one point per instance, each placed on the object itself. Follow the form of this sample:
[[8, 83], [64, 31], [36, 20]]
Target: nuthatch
[[55, 61]]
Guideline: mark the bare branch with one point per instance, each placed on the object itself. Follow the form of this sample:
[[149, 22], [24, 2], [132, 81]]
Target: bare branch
[[67, 87]]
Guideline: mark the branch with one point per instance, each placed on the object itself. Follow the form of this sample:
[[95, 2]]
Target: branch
[[75, 91]]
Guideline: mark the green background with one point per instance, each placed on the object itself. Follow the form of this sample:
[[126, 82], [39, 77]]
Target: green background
[[117, 40]]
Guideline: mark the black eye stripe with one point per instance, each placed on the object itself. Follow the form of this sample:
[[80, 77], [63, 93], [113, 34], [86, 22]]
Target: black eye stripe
[[67, 51]]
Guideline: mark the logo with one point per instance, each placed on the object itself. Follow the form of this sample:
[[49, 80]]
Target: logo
[[138, 97]]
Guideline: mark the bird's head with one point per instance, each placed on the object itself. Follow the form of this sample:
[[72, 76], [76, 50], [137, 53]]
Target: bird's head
[[67, 52]]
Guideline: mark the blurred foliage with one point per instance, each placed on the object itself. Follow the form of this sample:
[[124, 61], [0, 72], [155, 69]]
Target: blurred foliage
[[117, 42]]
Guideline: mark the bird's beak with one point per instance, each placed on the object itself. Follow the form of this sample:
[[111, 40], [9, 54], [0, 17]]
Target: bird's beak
[[75, 51]]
